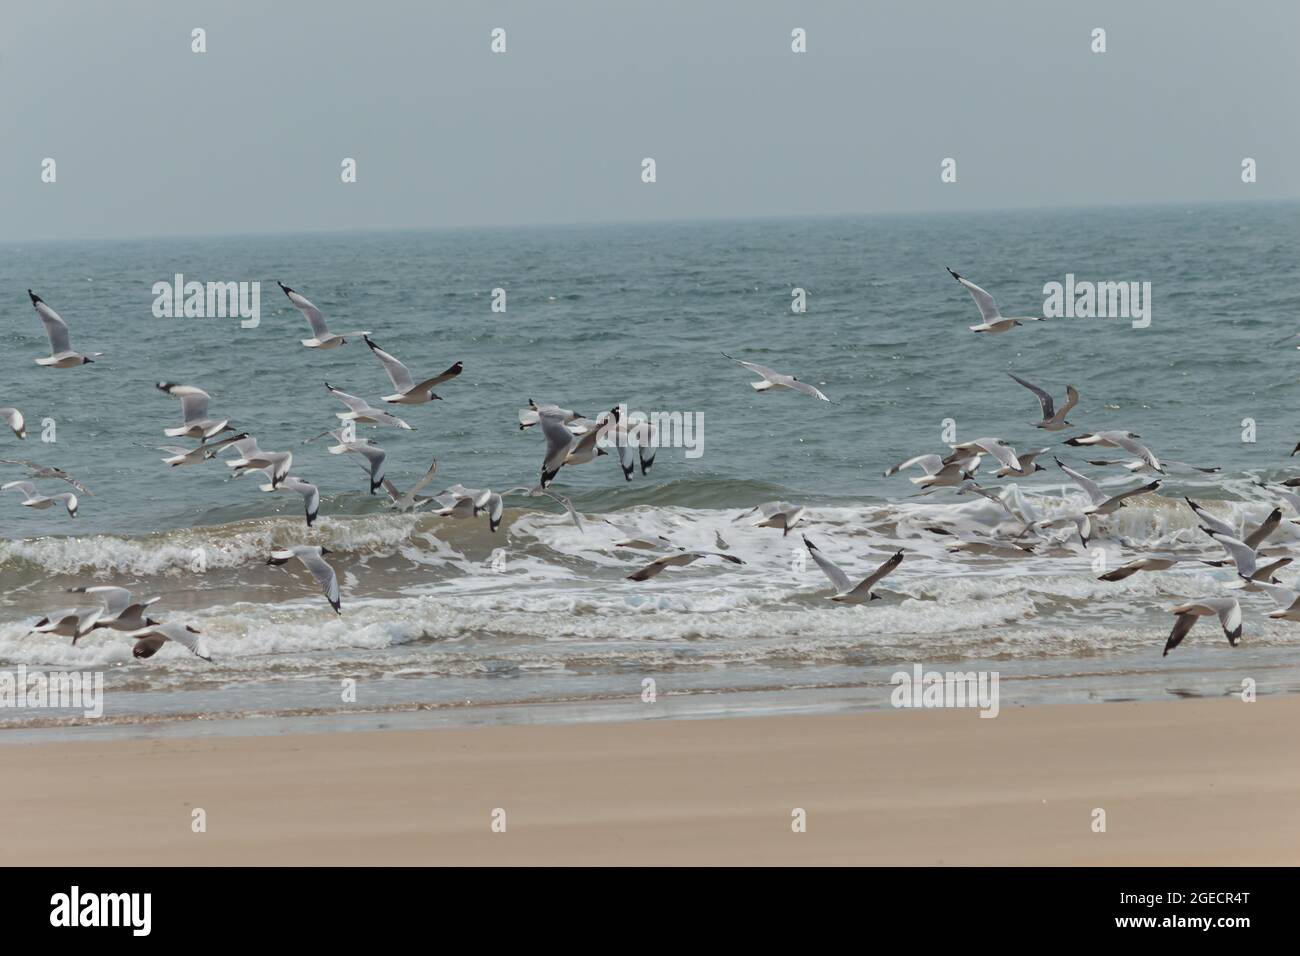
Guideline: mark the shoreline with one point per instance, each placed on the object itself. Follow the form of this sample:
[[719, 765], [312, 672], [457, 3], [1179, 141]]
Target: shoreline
[[1182, 782]]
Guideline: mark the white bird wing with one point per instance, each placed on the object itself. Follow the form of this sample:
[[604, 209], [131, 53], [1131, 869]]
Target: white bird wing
[[1282, 597], [931, 464], [56, 330], [351, 401], [807, 389], [398, 373], [988, 308], [886, 568], [324, 575], [116, 600], [1242, 554], [1044, 397], [558, 442], [1090, 487], [26, 487], [831, 569], [313, 315], [14, 419], [1215, 524]]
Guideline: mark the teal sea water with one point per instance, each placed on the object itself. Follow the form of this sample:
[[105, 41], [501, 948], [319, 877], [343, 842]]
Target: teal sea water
[[640, 314]]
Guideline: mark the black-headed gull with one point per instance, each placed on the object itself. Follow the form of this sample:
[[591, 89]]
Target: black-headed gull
[[408, 391], [194, 409], [148, 640], [313, 559], [32, 499], [14, 419], [845, 590], [678, 559], [772, 379], [1227, 610], [322, 338], [994, 321], [359, 410], [122, 612], [56, 330], [1053, 417]]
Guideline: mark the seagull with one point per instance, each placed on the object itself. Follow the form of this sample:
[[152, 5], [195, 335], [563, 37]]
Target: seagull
[[313, 559], [310, 494], [1227, 610], [1101, 503], [1027, 465], [846, 591], [1053, 417], [122, 612], [495, 505], [532, 415], [14, 419], [678, 559], [410, 500], [1124, 440], [322, 338], [56, 330], [1139, 466], [589, 434], [149, 639], [1287, 601], [461, 502], [194, 408], [994, 322], [193, 456], [559, 441], [360, 411], [409, 393], [939, 473], [772, 379], [996, 447], [776, 514], [372, 453], [639, 435], [74, 622], [1246, 559], [275, 464], [1154, 562], [1214, 525], [41, 502], [35, 470]]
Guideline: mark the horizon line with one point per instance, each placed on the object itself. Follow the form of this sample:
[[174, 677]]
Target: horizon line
[[666, 221]]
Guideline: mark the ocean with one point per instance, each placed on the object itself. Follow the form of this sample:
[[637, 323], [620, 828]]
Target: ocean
[[443, 620]]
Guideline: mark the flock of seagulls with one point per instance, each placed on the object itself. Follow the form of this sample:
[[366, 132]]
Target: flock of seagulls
[[573, 439]]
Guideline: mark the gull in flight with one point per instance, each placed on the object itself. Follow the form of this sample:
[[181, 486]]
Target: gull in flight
[[1138, 466], [408, 392], [359, 410], [996, 447], [313, 559], [75, 622], [35, 470], [14, 419], [194, 408], [149, 639], [678, 559], [1028, 465], [410, 500], [845, 591], [41, 502], [776, 514], [193, 456], [495, 505], [274, 464], [939, 472], [635, 441], [1213, 525], [559, 442], [1287, 601], [322, 338], [1053, 417], [1154, 562], [372, 453], [1101, 503], [772, 379], [1226, 609], [56, 330], [994, 321], [1246, 559], [1124, 440], [122, 612], [310, 494], [532, 415]]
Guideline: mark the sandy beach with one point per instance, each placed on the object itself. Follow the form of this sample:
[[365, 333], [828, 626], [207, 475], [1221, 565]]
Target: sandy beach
[[1186, 782]]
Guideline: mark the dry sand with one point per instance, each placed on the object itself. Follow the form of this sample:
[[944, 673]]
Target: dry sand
[[1186, 782]]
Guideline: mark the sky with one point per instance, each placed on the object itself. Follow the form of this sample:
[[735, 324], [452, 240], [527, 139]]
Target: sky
[[152, 139]]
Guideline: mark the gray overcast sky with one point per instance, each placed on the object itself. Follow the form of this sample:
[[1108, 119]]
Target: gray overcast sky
[[151, 139]]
